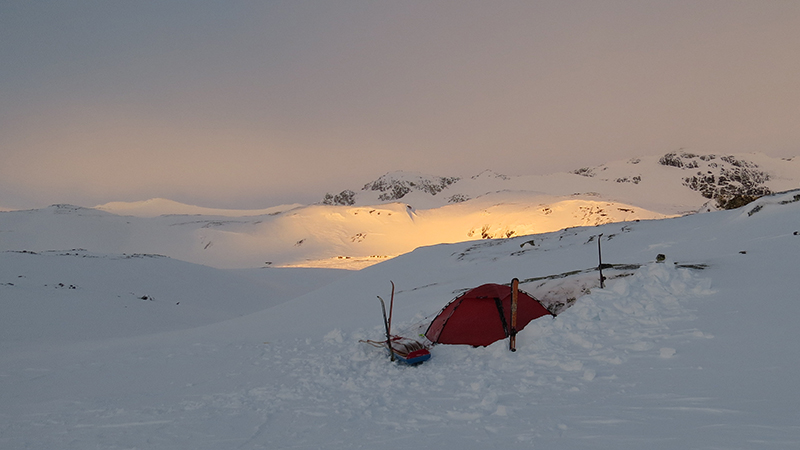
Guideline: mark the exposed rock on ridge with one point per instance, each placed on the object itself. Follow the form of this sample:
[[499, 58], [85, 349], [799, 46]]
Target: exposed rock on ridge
[[731, 182]]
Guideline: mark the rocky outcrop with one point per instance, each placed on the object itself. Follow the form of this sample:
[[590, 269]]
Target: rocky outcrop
[[731, 182]]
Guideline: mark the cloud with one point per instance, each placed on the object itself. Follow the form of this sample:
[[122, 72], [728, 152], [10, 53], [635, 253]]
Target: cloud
[[233, 104]]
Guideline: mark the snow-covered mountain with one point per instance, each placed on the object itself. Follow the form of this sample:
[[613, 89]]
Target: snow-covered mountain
[[402, 211], [105, 350], [310, 236], [675, 183]]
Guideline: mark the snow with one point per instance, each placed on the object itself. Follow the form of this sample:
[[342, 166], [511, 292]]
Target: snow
[[121, 351], [644, 181], [160, 206], [311, 236], [360, 235]]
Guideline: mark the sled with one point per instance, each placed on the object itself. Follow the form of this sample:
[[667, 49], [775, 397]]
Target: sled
[[400, 349], [408, 351]]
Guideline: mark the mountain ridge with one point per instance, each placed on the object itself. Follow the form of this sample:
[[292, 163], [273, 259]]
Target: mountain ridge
[[401, 211], [713, 177]]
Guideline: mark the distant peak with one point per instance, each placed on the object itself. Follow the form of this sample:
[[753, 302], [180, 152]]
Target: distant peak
[[490, 174], [392, 186], [395, 185], [66, 207]]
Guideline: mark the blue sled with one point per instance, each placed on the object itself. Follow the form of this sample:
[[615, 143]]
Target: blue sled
[[413, 358]]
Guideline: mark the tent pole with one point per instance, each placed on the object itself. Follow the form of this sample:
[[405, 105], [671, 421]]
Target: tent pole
[[512, 342]]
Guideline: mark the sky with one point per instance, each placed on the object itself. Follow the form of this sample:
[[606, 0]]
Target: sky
[[251, 104]]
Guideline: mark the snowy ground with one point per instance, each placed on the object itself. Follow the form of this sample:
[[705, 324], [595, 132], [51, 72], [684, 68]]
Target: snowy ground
[[697, 352]]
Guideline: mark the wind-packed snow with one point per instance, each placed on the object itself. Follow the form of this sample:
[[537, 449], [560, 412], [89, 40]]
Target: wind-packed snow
[[113, 351]]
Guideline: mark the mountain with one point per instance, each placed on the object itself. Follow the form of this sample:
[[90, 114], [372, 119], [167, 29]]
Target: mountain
[[105, 350], [675, 183], [401, 211], [316, 235], [311, 236]]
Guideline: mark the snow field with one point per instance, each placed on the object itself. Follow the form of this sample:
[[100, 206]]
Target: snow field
[[320, 394], [702, 356]]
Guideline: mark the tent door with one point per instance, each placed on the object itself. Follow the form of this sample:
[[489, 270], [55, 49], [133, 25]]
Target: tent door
[[500, 311]]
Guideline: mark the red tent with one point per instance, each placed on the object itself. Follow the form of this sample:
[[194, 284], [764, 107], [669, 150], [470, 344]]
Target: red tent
[[482, 316]]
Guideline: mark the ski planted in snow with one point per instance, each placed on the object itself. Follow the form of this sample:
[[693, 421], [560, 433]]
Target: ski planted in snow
[[388, 332], [401, 349]]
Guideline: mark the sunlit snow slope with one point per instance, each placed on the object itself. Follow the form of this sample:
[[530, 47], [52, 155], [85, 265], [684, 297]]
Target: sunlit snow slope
[[399, 212]]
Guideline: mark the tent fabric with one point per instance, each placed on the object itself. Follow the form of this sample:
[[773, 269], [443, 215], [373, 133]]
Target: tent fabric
[[482, 316]]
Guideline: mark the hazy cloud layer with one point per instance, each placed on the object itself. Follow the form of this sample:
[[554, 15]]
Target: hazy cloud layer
[[248, 104]]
